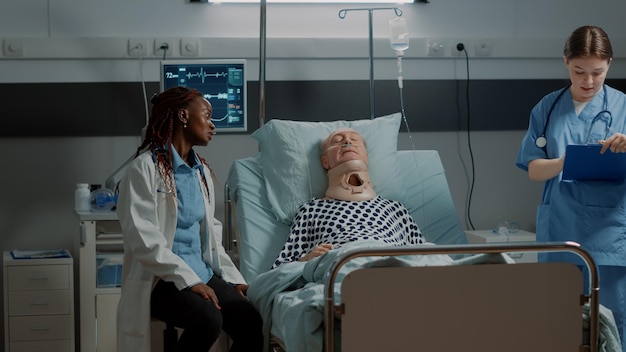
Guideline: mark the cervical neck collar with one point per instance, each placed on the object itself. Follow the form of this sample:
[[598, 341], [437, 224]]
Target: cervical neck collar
[[350, 181]]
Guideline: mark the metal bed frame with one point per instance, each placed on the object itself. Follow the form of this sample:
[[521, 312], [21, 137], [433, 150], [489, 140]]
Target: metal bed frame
[[332, 309]]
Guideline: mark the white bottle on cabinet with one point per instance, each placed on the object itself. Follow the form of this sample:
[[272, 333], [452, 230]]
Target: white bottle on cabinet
[[81, 197]]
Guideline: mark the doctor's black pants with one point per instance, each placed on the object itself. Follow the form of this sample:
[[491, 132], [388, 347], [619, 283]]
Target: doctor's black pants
[[202, 321]]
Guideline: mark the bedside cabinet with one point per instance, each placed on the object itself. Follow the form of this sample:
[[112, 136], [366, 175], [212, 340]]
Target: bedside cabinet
[[38, 304], [487, 236]]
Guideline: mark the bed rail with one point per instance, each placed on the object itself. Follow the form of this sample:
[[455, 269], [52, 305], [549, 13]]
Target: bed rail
[[330, 308], [229, 238]]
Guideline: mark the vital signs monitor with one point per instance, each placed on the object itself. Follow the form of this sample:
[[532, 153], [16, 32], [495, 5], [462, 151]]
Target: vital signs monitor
[[222, 82]]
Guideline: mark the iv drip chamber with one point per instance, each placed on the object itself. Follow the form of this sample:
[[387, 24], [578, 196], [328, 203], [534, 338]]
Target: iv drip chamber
[[398, 34]]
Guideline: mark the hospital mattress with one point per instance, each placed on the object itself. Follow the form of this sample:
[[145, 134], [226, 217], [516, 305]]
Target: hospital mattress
[[259, 236]]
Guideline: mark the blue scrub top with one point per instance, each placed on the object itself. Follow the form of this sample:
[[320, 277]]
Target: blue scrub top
[[591, 213]]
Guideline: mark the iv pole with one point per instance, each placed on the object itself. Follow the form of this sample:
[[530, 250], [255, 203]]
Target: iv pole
[[342, 15], [262, 52]]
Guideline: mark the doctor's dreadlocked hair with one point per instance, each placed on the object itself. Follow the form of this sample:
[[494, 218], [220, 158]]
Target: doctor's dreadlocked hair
[[160, 129]]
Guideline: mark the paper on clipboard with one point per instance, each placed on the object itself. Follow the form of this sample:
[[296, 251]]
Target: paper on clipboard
[[584, 162]]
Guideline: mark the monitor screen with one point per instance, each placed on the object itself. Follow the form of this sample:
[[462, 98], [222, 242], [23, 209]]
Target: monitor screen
[[222, 82]]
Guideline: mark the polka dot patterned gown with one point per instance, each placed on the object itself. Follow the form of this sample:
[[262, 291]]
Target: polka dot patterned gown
[[337, 222]]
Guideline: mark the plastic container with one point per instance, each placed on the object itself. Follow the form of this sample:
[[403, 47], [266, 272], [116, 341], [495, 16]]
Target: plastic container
[[398, 34], [506, 228], [81, 197], [109, 269], [102, 199]]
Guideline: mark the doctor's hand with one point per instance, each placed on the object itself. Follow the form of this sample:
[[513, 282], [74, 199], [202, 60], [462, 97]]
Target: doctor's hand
[[317, 251], [241, 288], [616, 143], [206, 292]]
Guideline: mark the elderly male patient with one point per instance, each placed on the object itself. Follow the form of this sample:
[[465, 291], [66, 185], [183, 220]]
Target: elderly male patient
[[350, 210]]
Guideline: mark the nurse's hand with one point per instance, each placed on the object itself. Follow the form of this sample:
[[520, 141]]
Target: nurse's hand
[[206, 292], [545, 169], [617, 144]]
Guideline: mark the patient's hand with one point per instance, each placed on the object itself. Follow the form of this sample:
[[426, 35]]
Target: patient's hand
[[316, 252]]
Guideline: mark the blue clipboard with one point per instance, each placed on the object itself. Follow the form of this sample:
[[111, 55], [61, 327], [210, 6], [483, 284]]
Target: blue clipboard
[[584, 162]]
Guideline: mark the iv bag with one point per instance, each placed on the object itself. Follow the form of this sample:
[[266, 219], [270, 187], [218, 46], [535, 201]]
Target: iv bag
[[398, 34]]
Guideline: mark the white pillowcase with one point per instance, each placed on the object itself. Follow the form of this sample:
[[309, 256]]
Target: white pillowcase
[[291, 159]]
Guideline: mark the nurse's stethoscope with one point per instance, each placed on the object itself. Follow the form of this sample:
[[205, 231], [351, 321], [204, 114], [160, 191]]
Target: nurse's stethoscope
[[542, 141]]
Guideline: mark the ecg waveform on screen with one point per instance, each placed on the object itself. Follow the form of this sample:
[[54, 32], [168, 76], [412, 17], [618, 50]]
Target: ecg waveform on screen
[[203, 75], [223, 85], [218, 96]]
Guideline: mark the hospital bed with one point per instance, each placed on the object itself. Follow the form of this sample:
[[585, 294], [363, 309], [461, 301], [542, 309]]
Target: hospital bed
[[367, 298]]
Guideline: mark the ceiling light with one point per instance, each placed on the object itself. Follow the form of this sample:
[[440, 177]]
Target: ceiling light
[[312, 1]]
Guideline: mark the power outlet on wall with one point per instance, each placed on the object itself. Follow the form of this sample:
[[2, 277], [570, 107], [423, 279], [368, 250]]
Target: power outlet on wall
[[163, 47], [458, 48], [189, 47], [483, 48], [12, 48], [436, 48], [137, 48]]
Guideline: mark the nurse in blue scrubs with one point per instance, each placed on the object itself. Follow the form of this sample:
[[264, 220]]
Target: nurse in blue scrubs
[[592, 213]]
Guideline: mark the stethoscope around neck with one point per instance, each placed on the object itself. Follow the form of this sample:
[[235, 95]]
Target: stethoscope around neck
[[542, 141]]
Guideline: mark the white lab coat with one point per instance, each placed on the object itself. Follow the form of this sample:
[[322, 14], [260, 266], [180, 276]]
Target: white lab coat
[[148, 216]]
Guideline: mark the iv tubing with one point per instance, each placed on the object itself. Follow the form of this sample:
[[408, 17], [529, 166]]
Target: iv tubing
[[401, 87]]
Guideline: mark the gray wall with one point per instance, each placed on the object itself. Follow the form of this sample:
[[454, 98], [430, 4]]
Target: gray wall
[[84, 41]]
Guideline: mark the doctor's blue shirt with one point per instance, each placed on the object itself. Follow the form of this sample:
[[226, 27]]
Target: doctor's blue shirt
[[191, 212]]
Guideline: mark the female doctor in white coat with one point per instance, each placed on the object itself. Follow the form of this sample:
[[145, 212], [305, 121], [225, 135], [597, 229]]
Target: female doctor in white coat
[[592, 213], [175, 267]]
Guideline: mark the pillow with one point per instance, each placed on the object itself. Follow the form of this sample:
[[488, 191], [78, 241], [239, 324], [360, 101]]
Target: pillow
[[291, 159]]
